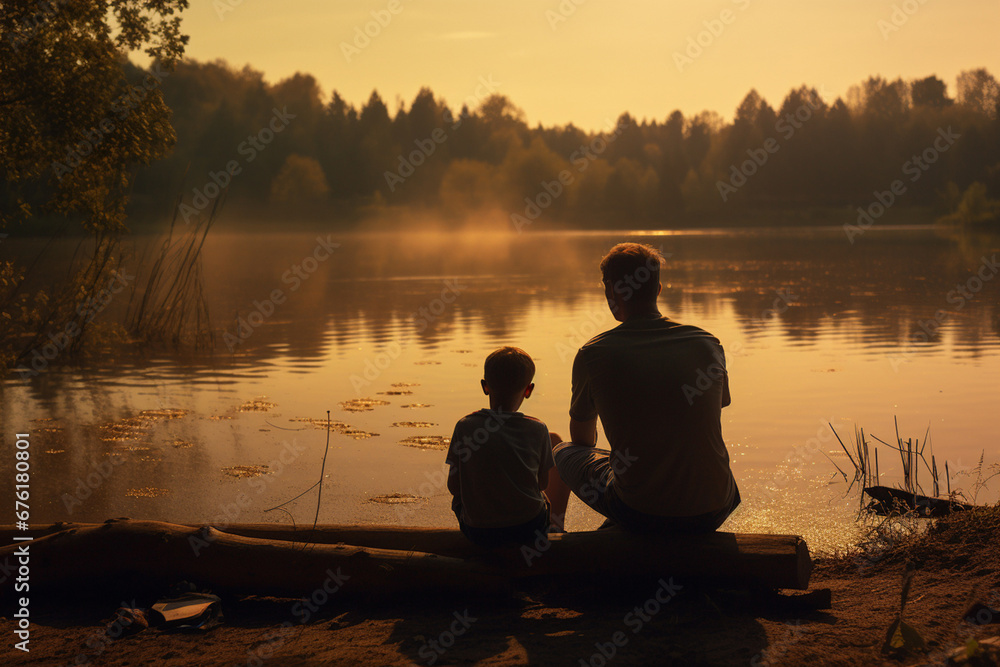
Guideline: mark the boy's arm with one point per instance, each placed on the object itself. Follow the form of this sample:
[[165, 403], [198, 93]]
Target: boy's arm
[[452, 458], [547, 463]]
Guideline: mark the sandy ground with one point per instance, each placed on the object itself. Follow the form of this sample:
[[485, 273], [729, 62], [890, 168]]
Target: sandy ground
[[560, 623]]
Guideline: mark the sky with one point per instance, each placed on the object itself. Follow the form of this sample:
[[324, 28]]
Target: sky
[[587, 61]]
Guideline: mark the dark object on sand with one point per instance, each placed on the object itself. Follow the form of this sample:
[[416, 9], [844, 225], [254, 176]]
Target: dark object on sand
[[980, 613], [127, 621], [886, 499], [191, 611]]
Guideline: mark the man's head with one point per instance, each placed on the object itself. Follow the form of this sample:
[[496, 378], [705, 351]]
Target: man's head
[[631, 275], [507, 376]]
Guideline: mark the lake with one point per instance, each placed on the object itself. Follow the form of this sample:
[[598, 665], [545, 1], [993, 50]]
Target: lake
[[900, 323]]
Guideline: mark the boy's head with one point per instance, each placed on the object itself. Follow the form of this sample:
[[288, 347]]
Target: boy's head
[[507, 375]]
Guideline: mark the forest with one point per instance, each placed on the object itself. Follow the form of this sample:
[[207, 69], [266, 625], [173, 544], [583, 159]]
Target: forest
[[285, 149]]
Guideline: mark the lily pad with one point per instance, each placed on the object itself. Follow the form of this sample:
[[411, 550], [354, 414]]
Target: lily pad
[[425, 442], [246, 471]]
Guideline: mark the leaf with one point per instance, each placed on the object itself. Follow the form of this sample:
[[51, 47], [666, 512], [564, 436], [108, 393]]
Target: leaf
[[903, 638]]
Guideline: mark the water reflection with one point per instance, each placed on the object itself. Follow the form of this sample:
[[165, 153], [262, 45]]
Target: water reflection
[[816, 330]]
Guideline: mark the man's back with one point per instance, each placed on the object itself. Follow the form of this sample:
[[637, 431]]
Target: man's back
[[659, 388]]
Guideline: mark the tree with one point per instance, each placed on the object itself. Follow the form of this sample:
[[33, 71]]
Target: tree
[[300, 181], [978, 90], [73, 128], [930, 92]]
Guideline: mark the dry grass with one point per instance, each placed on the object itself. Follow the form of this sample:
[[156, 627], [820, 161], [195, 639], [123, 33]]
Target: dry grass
[[962, 539]]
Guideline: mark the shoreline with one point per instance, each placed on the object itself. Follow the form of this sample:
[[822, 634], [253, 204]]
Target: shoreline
[[560, 623]]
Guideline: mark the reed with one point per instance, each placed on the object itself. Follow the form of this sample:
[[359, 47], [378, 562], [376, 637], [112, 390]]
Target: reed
[[865, 472], [171, 307], [913, 453]]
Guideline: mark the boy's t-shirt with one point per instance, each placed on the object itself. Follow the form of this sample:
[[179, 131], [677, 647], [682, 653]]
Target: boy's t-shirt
[[498, 457]]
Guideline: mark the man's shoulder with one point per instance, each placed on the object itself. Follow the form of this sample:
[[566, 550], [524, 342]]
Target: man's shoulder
[[690, 331], [601, 338], [662, 328]]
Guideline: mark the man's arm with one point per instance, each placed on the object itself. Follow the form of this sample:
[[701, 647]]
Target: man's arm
[[726, 398], [583, 432], [453, 479]]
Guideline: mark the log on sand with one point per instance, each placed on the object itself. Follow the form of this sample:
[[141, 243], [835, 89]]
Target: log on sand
[[126, 555], [278, 560]]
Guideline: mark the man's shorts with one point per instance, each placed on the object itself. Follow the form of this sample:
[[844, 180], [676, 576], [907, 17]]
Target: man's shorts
[[589, 472]]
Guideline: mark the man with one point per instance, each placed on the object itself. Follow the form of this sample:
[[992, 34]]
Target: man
[[658, 388]]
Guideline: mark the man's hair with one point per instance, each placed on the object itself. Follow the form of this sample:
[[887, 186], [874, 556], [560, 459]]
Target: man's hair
[[633, 270], [508, 370]]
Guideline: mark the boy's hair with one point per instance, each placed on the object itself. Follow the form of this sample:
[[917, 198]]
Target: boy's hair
[[635, 265], [508, 370]]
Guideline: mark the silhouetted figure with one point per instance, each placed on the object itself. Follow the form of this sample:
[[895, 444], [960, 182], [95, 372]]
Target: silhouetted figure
[[659, 388]]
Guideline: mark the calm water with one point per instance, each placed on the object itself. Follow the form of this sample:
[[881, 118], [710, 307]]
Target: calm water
[[817, 330]]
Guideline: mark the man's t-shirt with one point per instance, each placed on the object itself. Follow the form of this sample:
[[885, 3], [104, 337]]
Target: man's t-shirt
[[659, 388], [498, 457]]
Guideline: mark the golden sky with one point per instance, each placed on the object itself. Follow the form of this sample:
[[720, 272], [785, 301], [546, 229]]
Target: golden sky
[[586, 61]]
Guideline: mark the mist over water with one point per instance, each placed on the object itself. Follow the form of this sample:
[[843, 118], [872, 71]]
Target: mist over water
[[816, 329]]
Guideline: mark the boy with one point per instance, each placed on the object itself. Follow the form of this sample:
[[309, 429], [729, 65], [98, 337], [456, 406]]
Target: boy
[[500, 459]]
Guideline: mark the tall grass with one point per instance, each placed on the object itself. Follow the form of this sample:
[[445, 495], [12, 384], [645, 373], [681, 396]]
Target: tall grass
[[171, 307]]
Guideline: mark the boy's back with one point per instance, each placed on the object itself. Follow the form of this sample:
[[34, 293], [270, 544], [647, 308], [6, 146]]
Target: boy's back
[[498, 458]]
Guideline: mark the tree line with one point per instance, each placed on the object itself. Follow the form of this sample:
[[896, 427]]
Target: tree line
[[287, 147]]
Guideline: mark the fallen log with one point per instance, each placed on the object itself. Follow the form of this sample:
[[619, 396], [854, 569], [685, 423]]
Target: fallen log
[[756, 560], [123, 556]]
